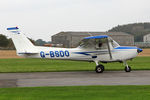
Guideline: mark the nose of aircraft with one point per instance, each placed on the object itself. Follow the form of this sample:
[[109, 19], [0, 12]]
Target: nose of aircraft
[[139, 50]]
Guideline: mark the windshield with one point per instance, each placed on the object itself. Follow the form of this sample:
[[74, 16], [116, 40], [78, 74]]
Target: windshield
[[113, 43]]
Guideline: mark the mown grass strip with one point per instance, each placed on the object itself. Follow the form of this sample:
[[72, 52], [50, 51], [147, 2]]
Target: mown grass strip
[[47, 65], [77, 93]]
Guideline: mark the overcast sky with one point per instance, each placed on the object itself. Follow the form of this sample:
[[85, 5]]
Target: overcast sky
[[44, 18]]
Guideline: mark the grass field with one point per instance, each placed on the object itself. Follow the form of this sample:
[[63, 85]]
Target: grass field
[[42, 65], [77, 93]]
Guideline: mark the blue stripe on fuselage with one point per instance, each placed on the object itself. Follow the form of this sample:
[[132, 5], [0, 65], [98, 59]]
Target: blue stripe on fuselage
[[84, 53], [126, 48], [89, 52], [105, 52]]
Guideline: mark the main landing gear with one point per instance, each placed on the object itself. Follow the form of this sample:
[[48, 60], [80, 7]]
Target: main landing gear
[[100, 68]]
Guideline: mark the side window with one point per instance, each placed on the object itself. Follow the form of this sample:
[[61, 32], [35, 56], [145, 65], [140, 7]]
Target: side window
[[83, 43], [95, 43], [101, 43], [89, 43]]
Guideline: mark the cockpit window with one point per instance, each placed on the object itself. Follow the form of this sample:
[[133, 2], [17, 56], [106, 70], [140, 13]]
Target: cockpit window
[[114, 43], [98, 44], [101, 43], [94, 43]]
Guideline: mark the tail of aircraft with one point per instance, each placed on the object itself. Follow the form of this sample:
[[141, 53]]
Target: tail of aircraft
[[21, 42]]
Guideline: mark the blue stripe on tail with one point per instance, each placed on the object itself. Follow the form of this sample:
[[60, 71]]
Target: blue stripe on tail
[[12, 28]]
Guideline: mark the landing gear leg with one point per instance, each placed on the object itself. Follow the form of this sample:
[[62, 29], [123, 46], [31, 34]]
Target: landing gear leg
[[127, 68], [99, 68]]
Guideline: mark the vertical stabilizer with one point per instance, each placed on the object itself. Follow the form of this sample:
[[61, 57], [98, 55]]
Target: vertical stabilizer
[[21, 42]]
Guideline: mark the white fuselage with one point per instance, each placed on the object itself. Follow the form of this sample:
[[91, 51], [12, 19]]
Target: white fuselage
[[118, 54]]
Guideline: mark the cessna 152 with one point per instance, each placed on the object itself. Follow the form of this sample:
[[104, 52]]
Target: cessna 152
[[94, 48]]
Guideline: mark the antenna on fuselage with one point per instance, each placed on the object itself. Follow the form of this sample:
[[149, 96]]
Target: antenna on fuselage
[[89, 33]]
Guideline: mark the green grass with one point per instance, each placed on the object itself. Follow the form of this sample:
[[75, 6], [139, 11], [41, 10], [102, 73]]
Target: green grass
[[77, 93], [44, 65]]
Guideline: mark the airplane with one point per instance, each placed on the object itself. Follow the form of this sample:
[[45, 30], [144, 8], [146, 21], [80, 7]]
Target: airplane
[[98, 49]]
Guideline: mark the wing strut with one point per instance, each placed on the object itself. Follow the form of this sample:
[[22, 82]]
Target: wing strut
[[109, 48]]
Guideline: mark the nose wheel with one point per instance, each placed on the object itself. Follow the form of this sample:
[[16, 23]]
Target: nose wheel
[[127, 68]]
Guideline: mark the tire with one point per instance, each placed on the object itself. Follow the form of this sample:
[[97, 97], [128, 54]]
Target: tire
[[99, 69], [128, 69]]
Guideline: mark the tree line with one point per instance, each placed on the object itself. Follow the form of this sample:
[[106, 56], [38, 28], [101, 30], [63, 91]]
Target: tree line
[[6, 43], [138, 30]]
